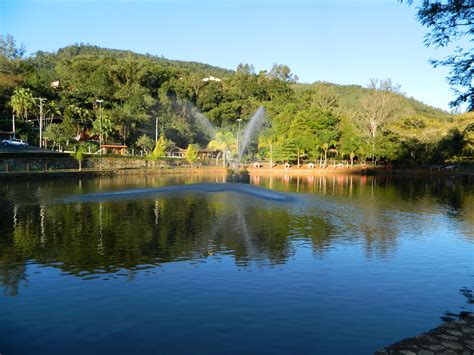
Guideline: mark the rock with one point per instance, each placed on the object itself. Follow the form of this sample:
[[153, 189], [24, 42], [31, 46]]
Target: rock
[[447, 337], [451, 345], [453, 337], [434, 347], [469, 344], [468, 330], [455, 333]]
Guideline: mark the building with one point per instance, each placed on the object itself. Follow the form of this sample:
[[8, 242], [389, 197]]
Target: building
[[114, 149], [6, 135]]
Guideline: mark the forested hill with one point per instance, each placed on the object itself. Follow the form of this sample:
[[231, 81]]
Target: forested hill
[[133, 93], [349, 96], [90, 50]]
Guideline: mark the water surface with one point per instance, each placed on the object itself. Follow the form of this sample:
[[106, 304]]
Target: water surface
[[339, 264]]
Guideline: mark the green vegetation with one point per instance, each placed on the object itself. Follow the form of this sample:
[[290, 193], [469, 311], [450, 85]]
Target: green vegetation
[[192, 153], [451, 22], [144, 96], [79, 155], [160, 148]]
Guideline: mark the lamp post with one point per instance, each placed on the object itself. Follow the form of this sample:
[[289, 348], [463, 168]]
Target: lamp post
[[13, 125], [238, 140], [100, 132], [41, 121]]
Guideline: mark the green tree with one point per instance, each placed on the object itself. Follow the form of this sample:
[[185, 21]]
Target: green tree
[[80, 116], [106, 128], [351, 145], [79, 155], [144, 142], [452, 21], [22, 102], [192, 153], [282, 72], [9, 49], [224, 141], [68, 128], [54, 133], [302, 135], [350, 140], [160, 148], [266, 140]]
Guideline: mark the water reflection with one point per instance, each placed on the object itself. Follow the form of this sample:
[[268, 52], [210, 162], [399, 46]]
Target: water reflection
[[90, 240]]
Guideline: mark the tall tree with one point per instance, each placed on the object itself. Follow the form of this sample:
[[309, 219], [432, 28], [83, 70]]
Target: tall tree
[[22, 102], [378, 108], [452, 21], [282, 72], [266, 140]]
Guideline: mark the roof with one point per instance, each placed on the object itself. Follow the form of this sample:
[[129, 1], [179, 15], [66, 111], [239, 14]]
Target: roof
[[113, 146]]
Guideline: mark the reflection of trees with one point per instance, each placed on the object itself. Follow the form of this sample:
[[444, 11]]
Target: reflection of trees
[[415, 194], [89, 239], [12, 263], [12, 272]]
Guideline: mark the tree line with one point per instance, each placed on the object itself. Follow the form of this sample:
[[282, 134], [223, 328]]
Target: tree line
[[150, 103]]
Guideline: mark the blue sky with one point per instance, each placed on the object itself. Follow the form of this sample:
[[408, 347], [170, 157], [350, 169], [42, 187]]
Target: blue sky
[[341, 41]]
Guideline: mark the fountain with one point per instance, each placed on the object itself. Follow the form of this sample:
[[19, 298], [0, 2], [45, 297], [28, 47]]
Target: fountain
[[204, 122], [254, 125], [235, 172]]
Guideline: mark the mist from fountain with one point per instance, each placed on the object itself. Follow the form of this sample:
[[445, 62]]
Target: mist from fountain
[[204, 122], [252, 127], [248, 132]]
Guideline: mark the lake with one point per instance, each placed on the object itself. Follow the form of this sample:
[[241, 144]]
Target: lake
[[288, 264]]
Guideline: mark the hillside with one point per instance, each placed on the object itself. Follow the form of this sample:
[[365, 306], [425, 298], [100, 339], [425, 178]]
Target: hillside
[[350, 97], [95, 51], [126, 96]]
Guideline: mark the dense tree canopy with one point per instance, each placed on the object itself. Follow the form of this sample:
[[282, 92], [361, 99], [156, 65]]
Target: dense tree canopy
[[144, 97]]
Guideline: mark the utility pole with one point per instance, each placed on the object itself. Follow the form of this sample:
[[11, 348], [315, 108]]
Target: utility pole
[[100, 132], [238, 136], [14, 130], [41, 121]]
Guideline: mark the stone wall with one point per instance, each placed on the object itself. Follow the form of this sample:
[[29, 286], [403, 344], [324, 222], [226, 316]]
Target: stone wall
[[23, 164], [36, 164]]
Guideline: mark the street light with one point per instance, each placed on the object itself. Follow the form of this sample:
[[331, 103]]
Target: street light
[[238, 141], [100, 132], [41, 100]]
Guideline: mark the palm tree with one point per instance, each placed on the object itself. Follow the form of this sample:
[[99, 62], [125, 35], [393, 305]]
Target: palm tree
[[266, 139], [223, 141], [79, 155], [22, 101], [328, 140]]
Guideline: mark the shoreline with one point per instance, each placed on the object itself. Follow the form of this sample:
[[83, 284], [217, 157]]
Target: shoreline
[[198, 170], [452, 337]]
